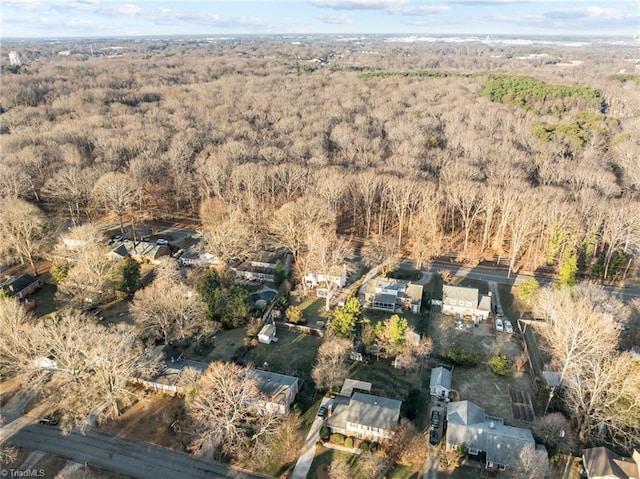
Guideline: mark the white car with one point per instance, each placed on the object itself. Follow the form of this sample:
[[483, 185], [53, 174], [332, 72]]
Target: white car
[[508, 327], [499, 325], [162, 241]]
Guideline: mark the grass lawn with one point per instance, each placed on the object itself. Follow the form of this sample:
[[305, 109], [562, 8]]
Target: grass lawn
[[293, 354], [45, 303], [386, 381], [313, 309], [225, 346]]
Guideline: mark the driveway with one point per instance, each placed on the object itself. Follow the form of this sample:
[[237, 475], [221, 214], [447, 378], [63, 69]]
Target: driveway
[[309, 449]]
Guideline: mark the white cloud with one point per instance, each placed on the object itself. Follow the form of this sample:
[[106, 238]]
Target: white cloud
[[591, 12], [359, 4], [421, 10], [335, 19]]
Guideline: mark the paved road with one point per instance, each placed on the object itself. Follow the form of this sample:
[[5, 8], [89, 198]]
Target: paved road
[[499, 275], [309, 449], [123, 455]]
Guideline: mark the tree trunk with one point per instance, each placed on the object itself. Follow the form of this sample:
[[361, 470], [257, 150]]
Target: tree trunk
[[33, 265]]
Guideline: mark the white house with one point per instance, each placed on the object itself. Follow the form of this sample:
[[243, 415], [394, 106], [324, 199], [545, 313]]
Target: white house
[[315, 280], [391, 294], [267, 334], [440, 385], [463, 301]]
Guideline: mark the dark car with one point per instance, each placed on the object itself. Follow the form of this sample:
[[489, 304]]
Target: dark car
[[435, 418], [322, 412], [433, 437]]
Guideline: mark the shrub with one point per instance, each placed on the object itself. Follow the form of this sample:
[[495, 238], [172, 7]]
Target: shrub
[[364, 445], [374, 446], [58, 272], [294, 315], [325, 434], [348, 442], [500, 364], [337, 438], [466, 358]]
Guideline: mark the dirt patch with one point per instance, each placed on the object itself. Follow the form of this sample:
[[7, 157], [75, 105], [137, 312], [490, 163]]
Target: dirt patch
[[49, 466], [150, 420], [322, 472], [480, 384]]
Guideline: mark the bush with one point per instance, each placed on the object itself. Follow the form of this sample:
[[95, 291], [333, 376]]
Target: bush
[[364, 445], [348, 442], [294, 315], [374, 446], [500, 364], [466, 358], [325, 434], [337, 438]]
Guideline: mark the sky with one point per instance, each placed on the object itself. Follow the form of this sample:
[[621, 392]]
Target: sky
[[106, 18]]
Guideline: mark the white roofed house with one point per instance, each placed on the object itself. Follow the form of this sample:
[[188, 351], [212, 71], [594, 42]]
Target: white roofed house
[[440, 385], [464, 301], [323, 283]]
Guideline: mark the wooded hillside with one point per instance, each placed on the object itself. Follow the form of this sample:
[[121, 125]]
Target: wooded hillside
[[475, 151]]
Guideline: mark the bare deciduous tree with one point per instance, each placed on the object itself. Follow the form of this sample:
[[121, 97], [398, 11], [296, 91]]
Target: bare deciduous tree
[[116, 192], [22, 227], [225, 411], [331, 367]]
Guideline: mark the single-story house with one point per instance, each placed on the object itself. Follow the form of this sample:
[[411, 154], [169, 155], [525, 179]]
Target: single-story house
[[391, 294], [280, 390], [365, 416], [141, 251], [500, 446], [171, 366], [196, 258], [602, 463], [263, 266], [440, 385], [21, 286], [316, 280], [267, 334], [464, 301]]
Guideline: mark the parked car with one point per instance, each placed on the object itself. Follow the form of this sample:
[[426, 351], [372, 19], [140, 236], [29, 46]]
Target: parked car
[[435, 418], [322, 412], [434, 439], [499, 325], [117, 238], [162, 241], [508, 327], [49, 421]]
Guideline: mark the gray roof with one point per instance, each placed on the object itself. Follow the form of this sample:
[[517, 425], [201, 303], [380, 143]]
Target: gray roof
[[385, 298], [273, 384], [373, 411], [414, 291], [460, 293], [485, 303], [468, 425], [15, 285], [441, 377], [350, 384]]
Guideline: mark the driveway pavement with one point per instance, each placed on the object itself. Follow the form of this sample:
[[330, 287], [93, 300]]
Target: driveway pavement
[[309, 449]]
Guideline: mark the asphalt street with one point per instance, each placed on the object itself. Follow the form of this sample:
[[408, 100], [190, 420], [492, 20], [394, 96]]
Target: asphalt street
[[123, 455]]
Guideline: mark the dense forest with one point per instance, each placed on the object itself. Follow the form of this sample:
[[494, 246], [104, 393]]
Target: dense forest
[[526, 155]]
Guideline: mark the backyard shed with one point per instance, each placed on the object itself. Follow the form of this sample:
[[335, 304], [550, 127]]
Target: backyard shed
[[440, 385], [267, 334]]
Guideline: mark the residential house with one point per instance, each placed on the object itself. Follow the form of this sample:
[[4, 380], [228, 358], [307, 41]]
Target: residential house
[[464, 301], [488, 439], [392, 294], [196, 258], [602, 463], [320, 282], [440, 385], [267, 334], [263, 267], [21, 286], [363, 415], [279, 389], [171, 365], [141, 251]]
